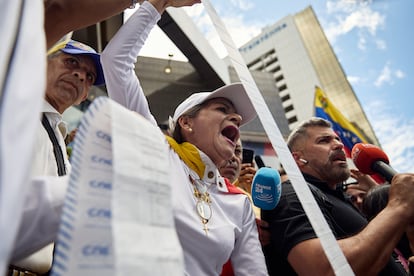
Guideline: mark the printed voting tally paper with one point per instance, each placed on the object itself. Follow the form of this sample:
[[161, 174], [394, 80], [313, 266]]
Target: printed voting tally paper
[[117, 218]]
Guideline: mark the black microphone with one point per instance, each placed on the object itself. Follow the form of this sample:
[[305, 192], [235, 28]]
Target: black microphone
[[266, 188], [370, 159], [259, 161]]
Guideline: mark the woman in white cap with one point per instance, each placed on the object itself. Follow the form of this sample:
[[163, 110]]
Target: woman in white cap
[[214, 222]]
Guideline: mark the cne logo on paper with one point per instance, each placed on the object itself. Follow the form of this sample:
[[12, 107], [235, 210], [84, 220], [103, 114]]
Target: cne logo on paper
[[99, 213], [101, 160], [104, 136], [96, 250], [100, 185]]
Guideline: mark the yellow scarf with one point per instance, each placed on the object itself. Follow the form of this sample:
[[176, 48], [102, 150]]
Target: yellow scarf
[[189, 154]]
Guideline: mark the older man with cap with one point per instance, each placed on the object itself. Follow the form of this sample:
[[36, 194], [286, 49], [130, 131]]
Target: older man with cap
[[73, 68], [214, 220]]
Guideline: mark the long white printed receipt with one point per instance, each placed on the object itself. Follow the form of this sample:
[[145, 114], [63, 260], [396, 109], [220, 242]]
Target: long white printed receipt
[[117, 218]]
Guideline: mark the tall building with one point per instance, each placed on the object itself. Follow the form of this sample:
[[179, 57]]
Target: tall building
[[297, 53], [286, 60]]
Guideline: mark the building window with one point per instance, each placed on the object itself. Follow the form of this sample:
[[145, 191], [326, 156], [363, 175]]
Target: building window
[[292, 120], [285, 98], [272, 60], [276, 69], [288, 108], [279, 78], [254, 62], [283, 87]]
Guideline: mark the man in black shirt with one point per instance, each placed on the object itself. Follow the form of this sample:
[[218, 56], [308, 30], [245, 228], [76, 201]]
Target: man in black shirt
[[295, 248]]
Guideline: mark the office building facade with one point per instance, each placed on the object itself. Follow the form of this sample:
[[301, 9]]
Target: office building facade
[[297, 53]]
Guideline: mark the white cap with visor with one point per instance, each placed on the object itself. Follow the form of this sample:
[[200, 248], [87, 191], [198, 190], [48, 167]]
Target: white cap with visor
[[234, 92]]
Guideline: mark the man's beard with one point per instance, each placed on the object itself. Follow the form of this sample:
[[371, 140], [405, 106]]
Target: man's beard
[[334, 173]]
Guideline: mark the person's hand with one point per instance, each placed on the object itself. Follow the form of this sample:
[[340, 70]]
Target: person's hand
[[247, 173], [365, 181], [182, 3], [161, 5], [401, 195]]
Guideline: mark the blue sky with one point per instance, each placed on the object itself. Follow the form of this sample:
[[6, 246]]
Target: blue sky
[[372, 40]]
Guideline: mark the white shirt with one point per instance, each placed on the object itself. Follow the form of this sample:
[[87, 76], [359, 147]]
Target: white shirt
[[44, 202], [22, 81], [232, 229]]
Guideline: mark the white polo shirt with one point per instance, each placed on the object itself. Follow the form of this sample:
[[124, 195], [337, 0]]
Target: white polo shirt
[[45, 199]]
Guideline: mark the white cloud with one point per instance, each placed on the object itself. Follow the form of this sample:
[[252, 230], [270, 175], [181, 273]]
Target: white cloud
[[395, 133], [362, 43], [381, 44], [353, 15], [244, 5], [387, 76], [194, 11], [340, 6], [240, 31], [384, 77], [399, 74], [354, 80], [200, 17]]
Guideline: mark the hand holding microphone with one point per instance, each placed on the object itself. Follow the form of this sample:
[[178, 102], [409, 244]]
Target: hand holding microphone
[[370, 159]]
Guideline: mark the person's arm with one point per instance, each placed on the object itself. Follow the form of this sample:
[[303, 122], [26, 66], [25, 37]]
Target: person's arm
[[119, 56], [64, 16], [247, 257], [41, 215], [368, 251]]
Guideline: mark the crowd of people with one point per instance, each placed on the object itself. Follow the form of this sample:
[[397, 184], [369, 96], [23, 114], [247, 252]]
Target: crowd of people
[[220, 231]]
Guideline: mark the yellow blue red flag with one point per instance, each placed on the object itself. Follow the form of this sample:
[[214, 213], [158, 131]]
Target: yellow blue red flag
[[348, 133]]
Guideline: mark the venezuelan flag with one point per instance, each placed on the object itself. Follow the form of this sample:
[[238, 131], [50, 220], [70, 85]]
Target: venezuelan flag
[[345, 130]]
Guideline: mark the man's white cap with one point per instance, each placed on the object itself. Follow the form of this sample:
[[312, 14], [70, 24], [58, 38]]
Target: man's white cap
[[234, 92]]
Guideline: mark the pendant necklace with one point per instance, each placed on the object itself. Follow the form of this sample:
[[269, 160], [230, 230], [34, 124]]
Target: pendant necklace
[[203, 204]]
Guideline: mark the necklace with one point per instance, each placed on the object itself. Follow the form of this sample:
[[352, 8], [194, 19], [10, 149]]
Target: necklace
[[203, 204]]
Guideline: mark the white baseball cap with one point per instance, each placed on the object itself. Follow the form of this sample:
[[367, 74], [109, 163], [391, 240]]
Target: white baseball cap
[[234, 92]]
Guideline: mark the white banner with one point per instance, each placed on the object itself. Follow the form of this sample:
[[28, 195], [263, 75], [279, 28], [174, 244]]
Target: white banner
[[319, 224]]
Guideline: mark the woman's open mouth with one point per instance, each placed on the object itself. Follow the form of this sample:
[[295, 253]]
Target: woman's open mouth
[[231, 133]]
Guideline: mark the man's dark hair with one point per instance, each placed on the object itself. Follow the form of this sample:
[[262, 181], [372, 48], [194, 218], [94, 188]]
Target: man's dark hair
[[301, 130]]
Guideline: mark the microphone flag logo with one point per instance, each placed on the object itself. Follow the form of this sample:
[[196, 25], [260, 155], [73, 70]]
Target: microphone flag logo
[[266, 188]]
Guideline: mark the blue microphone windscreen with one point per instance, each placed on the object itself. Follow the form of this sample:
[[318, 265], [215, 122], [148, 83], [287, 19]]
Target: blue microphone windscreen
[[266, 188]]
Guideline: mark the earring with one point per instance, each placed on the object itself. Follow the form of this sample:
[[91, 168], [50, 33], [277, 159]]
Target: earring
[[190, 129]]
